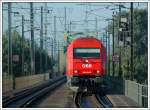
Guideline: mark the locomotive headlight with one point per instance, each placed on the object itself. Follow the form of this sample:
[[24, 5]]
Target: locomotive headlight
[[86, 61], [75, 71], [97, 71]]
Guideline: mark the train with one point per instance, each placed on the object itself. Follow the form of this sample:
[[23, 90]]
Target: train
[[86, 62]]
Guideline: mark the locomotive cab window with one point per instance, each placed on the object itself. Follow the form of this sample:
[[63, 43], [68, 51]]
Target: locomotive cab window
[[86, 53]]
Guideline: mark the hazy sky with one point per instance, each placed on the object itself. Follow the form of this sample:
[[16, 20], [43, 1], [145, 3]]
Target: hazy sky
[[74, 12]]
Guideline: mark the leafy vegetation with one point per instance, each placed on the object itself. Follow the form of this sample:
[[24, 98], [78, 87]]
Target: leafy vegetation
[[140, 47], [17, 50]]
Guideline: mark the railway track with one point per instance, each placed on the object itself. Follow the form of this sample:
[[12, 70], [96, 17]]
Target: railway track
[[27, 97], [104, 101], [96, 100]]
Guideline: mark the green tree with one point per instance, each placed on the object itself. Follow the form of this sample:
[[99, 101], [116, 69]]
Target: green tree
[[17, 50], [140, 46], [5, 53]]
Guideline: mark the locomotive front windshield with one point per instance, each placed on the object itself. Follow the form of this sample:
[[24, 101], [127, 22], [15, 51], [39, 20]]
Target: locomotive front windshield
[[86, 53]]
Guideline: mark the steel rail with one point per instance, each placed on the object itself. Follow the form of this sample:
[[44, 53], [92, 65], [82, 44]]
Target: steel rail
[[78, 99], [101, 99], [10, 102], [41, 93], [104, 101]]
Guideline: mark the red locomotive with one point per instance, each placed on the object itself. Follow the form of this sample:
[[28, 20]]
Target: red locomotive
[[86, 61]]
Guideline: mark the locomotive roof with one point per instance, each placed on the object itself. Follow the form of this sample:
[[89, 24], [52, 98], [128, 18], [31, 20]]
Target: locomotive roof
[[90, 42], [86, 39]]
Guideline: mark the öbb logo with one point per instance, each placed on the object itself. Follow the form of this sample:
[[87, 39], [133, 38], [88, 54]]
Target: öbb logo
[[86, 65]]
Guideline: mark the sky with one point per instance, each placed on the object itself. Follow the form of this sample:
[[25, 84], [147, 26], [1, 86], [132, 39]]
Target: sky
[[75, 12]]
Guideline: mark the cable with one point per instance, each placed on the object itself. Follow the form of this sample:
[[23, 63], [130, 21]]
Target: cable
[[97, 15], [61, 22]]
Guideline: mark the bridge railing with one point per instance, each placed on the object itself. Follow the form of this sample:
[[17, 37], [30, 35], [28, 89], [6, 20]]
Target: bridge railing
[[135, 91]]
